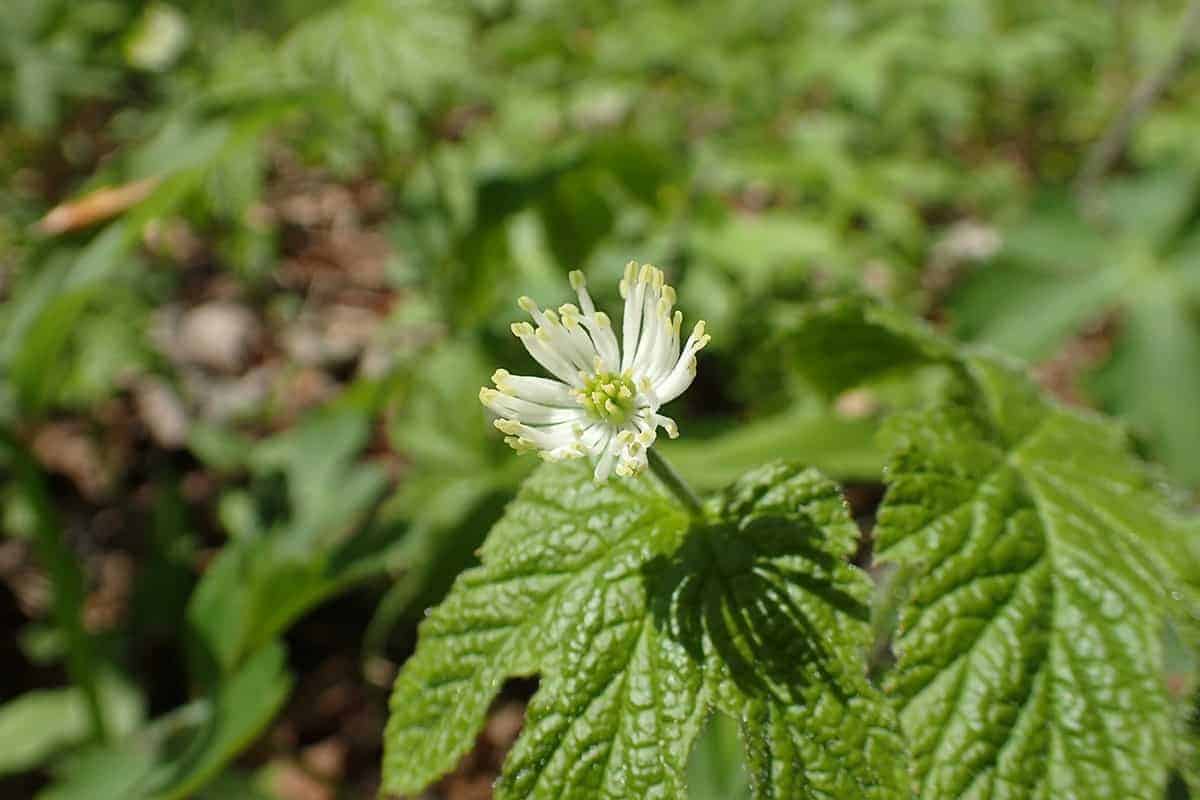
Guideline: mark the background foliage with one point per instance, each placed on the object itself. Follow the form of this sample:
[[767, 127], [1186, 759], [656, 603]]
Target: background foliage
[[257, 258]]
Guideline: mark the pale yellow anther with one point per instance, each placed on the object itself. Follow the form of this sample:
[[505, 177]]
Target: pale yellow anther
[[610, 389], [510, 426], [486, 395], [542, 335], [625, 437], [645, 273], [677, 322], [527, 303], [521, 329], [550, 315], [577, 279], [623, 288], [624, 392], [664, 309], [631, 270], [646, 437], [602, 320], [611, 407], [668, 293], [598, 398], [698, 330]]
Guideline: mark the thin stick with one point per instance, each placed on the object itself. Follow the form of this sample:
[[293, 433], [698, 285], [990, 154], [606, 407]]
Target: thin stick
[[1109, 147]]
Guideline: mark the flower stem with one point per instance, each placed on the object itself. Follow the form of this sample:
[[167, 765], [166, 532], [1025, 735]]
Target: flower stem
[[674, 481]]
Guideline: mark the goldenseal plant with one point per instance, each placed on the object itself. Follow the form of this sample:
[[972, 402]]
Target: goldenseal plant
[[1038, 560], [605, 396]]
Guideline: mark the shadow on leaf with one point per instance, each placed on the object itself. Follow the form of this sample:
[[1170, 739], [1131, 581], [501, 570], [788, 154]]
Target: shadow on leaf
[[748, 593]]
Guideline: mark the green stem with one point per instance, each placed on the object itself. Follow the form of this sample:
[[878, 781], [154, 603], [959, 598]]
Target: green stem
[[66, 578], [675, 482]]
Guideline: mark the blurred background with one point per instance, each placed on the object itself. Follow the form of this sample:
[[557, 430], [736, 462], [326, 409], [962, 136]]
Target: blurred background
[[256, 258]]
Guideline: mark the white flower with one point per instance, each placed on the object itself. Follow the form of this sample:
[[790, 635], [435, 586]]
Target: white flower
[[605, 400]]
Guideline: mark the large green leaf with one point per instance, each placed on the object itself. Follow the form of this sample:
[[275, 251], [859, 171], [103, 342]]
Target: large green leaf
[[638, 622], [1030, 648]]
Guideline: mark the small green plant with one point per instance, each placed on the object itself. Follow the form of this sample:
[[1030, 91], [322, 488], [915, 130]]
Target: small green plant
[[1038, 555]]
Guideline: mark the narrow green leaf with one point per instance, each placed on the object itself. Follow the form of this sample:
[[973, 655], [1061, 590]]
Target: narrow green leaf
[[66, 577]]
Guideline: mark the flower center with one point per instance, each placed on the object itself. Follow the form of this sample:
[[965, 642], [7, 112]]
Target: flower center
[[608, 396]]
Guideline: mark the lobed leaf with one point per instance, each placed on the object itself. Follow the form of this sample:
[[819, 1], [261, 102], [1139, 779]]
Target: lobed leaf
[[640, 623], [1030, 648]]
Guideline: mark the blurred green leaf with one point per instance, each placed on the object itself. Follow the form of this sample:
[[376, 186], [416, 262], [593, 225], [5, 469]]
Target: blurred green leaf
[[717, 765], [1132, 264], [377, 51], [327, 490], [66, 582], [41, 723], [808, 434], [1153, 377], [174, 756], [241, 707], [840, 344]]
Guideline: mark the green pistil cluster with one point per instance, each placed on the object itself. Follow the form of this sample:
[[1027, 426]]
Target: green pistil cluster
[[608, 396]]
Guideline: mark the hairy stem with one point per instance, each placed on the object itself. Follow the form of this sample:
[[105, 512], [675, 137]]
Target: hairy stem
[[674, 481]]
